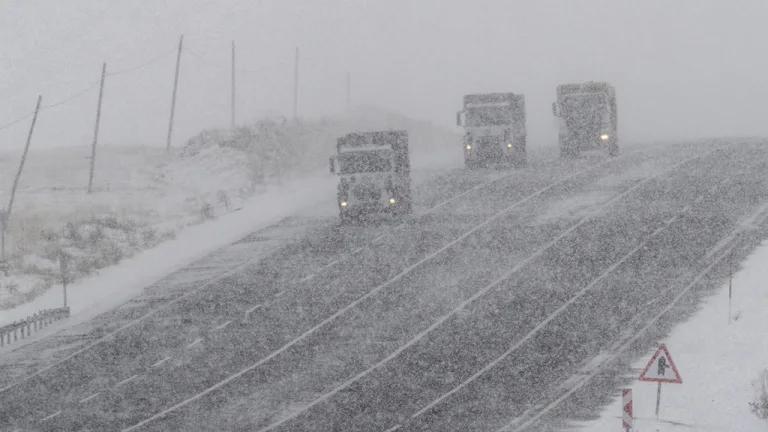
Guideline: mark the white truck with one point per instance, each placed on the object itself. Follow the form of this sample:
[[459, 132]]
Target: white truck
[[587, 118], [375, 173], [494, 129]]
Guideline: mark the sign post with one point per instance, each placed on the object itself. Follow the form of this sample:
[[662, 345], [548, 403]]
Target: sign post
[[661, 369], [626, 402], [730, 284], [63, 267]]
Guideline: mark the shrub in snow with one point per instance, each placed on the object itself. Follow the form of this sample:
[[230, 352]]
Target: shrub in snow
[[91, 244], [223, 199], [277, 148], [760, 405], [207, 211], [11, 293], [144, 197]]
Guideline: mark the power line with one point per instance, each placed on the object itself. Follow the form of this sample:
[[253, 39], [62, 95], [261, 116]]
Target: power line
[[53, 105], [89, 88], [7, 125], [70, 99], [214, 64], [204, 60], [143, 65], [121, 72]]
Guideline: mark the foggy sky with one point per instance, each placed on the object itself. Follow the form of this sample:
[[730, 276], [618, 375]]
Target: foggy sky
[[682, 68]]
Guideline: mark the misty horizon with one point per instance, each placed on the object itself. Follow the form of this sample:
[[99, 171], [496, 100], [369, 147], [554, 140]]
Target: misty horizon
[[686, 70]]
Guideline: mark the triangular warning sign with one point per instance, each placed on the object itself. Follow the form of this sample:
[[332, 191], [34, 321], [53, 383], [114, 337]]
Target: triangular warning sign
[[661, 368]]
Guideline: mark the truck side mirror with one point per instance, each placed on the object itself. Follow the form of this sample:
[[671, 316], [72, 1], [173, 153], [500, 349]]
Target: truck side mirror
[[332, 161], [554, 109], [458, 118]]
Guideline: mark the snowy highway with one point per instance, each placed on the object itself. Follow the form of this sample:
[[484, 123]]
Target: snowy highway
[[483, 311]]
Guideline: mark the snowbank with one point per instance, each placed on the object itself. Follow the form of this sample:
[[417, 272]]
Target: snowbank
[[143, 197], [720, 365]]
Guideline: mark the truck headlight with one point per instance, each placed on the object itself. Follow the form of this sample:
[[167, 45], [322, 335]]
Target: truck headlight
[[343, 203], [469, 147], [509, 145], [604, 136], [391, 200]]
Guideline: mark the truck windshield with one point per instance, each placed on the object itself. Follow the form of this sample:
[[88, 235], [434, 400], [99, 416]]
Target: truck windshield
[[365, 161], [584, 108], [488, 116]]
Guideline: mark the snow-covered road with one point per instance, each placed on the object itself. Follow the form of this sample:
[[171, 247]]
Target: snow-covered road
[[478, 312]]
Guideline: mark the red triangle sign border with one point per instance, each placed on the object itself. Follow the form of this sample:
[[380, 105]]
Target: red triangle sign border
[[677, 380]]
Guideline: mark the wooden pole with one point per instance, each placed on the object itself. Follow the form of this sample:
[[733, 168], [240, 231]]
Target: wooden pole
[[233, 85], [3, 226], [348, 91], [296, 86], [96, 128], [173, 96], [7, 214]]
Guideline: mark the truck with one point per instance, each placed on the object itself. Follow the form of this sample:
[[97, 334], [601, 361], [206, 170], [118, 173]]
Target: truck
[[587, 118], [494, 129], [375, 174]]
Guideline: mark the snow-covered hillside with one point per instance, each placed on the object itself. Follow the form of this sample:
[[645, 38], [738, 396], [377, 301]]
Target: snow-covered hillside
[[143, 196], [721, 361]]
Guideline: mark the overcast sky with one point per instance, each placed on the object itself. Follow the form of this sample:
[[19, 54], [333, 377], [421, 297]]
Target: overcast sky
[[682, 68]]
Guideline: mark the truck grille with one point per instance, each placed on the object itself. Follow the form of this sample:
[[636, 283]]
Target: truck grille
[[366, 192], [488, 147]]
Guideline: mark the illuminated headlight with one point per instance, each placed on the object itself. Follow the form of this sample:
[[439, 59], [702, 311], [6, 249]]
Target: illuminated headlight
[[509, 145], [391, 200], [604, 137], [469, 147], [343, 203]]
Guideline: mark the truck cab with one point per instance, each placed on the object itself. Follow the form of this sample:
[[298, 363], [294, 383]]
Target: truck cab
[[494, 129], [374, 174], [587, 118]]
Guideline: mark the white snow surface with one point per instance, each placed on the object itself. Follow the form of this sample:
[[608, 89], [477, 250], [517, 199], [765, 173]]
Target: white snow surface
[[165, 194], [719, 364]]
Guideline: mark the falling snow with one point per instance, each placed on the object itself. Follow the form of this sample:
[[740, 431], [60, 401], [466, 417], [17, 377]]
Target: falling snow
[[512, 268]]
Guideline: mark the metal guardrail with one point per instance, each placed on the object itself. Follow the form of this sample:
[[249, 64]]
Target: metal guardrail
[[23, 329]]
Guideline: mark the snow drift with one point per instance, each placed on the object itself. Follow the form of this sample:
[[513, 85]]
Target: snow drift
[[143, 196]]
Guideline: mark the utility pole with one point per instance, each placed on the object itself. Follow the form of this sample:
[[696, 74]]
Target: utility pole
[[3, 225], [7, 214], [233, 86], [348, 91], [96, 128], [173, 97], [296, 86]]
